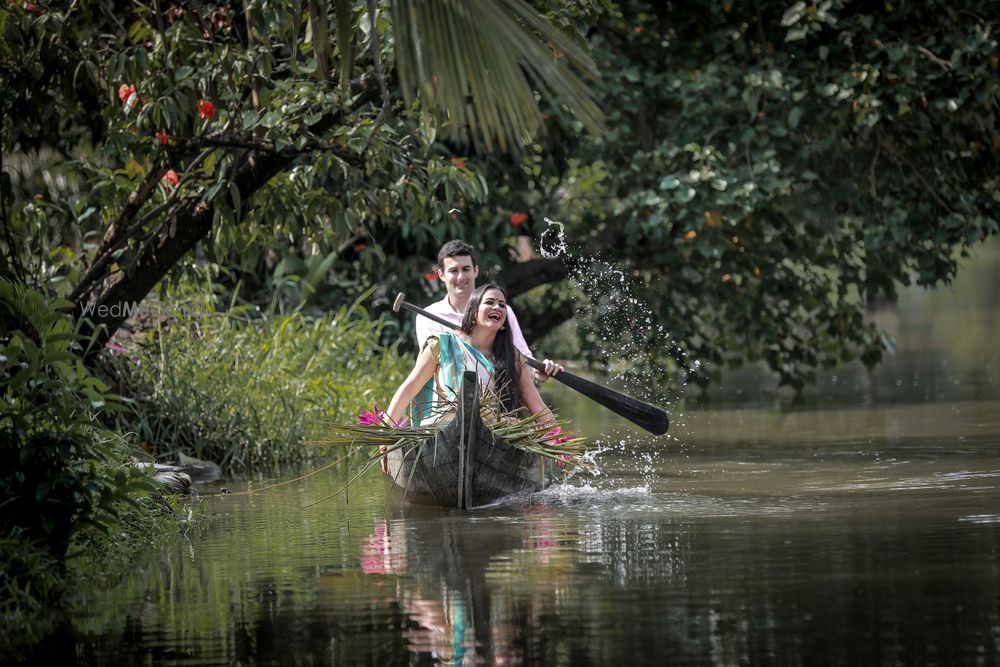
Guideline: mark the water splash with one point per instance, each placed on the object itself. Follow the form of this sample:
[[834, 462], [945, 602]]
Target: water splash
[[625, 334], [552, 243]]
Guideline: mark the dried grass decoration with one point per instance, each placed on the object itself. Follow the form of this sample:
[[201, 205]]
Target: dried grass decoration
[[374, 436]]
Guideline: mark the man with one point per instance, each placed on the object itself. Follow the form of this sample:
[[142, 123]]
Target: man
[[457, 269]]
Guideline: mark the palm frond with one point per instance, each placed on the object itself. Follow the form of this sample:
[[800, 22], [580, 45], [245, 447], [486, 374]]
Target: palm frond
[[477, 64]]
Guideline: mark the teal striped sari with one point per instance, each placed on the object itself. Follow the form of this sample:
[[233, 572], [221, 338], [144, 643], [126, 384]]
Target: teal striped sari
[[454, 357]]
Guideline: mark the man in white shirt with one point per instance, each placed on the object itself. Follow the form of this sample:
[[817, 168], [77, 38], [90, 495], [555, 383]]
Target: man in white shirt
[[458, 270]]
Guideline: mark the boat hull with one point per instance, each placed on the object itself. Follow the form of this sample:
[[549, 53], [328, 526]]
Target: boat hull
[[465, 464]]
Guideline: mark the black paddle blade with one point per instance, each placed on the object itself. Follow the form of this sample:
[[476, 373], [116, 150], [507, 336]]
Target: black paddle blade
[[649, 417]]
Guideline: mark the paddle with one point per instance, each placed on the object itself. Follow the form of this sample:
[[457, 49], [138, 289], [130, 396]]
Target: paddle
[[649, 417]]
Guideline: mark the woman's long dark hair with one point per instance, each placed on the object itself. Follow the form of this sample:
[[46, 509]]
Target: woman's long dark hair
[[504, 356]]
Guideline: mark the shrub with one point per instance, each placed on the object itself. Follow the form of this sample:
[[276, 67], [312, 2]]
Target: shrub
[[246, 389], [61, 472]]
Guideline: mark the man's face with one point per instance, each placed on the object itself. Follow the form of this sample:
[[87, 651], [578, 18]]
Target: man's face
[[459, 276]]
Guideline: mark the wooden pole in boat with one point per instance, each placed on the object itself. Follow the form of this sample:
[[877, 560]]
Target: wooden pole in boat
[[649, 417]]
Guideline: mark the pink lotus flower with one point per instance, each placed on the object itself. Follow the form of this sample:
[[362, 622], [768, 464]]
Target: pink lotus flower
[[367, 418]]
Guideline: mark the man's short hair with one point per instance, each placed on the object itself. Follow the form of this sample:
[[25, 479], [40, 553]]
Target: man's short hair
[[455, 248]]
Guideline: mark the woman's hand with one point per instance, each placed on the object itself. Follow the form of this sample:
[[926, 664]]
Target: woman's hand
[[551, 368]]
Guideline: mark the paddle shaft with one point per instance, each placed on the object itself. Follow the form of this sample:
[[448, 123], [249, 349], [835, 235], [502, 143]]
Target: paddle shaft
[[647, 416]]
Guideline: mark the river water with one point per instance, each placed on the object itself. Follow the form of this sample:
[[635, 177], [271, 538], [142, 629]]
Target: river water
[[860, 525]]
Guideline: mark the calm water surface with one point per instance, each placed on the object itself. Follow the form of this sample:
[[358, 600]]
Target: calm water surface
[[859, 526]]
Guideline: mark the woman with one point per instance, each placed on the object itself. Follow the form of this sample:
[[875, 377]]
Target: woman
[[484, 344]]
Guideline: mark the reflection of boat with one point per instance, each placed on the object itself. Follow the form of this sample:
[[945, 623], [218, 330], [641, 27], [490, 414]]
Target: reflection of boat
[[465, 464], [440, 561]]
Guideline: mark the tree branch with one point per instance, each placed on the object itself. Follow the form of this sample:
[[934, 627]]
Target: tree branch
[[525, 276], [182, 229]]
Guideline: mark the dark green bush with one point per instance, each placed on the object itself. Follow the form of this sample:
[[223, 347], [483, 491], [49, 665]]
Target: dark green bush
[[62, 474]]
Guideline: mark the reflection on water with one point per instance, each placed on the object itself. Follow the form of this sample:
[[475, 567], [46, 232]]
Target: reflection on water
[[862, 527]]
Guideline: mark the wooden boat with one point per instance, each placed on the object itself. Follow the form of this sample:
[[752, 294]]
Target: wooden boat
[[465, 464]]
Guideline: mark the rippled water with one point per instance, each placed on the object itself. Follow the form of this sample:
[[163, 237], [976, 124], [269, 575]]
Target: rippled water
[[859, 526]]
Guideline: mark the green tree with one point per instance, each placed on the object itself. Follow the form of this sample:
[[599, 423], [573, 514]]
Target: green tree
[[769, 168], [158, 127]]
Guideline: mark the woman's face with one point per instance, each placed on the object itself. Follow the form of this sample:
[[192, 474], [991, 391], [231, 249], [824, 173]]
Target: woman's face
[[492, 312]]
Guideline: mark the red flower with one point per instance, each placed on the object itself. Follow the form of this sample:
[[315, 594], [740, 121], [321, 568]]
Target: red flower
[[163, 138], [205, 109], [432, 276], [726, 277], [33, 8], [171, 177], [126, 92], [458, 162], [518, 219], [358, 247]]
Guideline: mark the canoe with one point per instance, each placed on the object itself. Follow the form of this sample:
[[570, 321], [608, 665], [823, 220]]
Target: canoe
[[465, 464]]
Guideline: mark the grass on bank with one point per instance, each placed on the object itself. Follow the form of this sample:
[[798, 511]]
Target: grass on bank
[[248, 390]]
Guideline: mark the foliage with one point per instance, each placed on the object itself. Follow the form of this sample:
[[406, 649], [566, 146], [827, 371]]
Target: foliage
[[244, 388], [61, 471], [31, 581], [162, 129], [64, 479], [769, 169]]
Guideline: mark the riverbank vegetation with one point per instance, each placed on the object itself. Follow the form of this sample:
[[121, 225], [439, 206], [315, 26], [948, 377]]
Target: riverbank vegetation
[[247, 388], [66, 480]]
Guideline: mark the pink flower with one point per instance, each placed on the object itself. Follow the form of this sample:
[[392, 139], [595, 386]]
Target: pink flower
[[555, 436], [367, 418], [375, 417], [205, 109], [115, 347]]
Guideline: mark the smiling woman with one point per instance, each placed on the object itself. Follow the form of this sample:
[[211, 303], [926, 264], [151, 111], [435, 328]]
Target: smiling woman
[[483, 344]]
